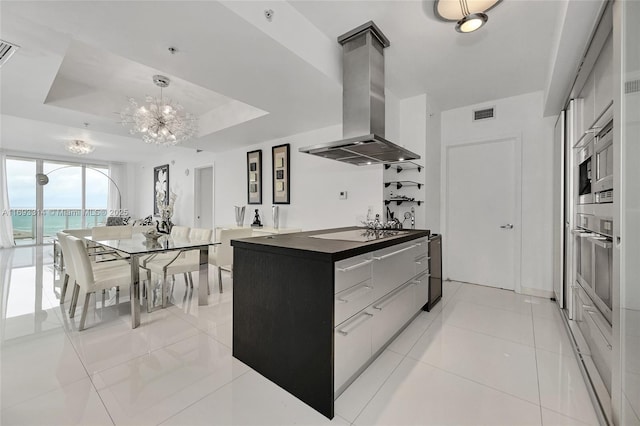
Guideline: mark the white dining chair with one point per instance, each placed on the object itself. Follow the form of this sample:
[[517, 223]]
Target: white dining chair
[[111, 232], [69, 271], [90, 280], [222, 256], [182, 263]]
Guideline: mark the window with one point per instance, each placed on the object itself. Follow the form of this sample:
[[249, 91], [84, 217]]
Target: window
[[75, 196]]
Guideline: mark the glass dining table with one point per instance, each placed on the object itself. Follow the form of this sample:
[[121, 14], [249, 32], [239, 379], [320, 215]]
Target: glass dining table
[[138, 246]]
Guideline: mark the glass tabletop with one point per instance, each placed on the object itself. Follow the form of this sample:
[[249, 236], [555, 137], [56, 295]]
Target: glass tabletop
[[139, 244]]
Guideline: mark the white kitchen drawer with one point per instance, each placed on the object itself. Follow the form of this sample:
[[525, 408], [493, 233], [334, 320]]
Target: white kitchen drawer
[[391, 313], [392, 267], [352, 345], [422, 290], [352, 271], [422, 264], [353, 300], [421, 246]]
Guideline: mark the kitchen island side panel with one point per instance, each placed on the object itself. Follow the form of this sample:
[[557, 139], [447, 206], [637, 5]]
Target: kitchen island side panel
[[283, 322]]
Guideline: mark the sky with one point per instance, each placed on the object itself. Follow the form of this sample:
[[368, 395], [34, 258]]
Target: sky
[[64, 190]]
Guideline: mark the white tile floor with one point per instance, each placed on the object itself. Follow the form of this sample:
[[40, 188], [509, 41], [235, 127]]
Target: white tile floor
[[482, 356]]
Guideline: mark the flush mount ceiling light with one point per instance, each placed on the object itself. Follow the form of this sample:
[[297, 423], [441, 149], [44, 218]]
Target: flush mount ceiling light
[[160, 121], [79, 147], [469, 15]]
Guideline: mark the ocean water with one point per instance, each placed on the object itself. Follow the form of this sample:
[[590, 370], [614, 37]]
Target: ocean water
[[24, 224]]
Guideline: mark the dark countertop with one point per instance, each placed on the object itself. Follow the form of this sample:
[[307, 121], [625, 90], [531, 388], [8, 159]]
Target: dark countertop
[[302, 245]]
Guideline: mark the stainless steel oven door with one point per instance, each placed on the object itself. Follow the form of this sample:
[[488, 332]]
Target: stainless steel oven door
[[602, 276], [585, 263], [597, 333]]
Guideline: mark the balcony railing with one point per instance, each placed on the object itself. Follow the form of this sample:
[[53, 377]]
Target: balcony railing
[[53, 220]]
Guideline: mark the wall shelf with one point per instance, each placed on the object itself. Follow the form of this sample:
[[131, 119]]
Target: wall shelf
[[404, 165], [400, 183], [399, 201]]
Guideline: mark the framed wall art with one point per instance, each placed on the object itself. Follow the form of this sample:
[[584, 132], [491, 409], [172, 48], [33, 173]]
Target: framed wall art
[[254, 177], [161, 186], [281, 182]]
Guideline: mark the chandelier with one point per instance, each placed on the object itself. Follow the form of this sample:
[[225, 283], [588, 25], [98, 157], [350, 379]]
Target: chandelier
[[79, 147], [159, 121]]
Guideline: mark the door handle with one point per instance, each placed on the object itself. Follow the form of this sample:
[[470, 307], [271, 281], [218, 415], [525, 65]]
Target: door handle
[[507, 226]]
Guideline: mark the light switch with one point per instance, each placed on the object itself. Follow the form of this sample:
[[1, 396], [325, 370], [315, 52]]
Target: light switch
[[342, 195]]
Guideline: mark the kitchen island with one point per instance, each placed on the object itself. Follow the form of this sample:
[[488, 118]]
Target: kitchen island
[[312, 310]]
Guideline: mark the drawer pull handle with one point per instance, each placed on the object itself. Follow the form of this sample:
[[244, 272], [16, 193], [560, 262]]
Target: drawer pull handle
[[418, 279], [394, 296], [393, 253], [346, 330], [356, 266], [421, 259], [601, 242], [355, 294]]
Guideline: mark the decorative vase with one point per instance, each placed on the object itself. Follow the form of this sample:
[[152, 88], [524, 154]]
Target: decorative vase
[[275, 211], [239, 216]]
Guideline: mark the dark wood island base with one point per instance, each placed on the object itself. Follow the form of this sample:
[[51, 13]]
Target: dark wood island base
[[284, 295]]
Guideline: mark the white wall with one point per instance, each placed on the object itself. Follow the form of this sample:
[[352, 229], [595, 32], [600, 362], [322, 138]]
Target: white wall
[[315, 184], [432, 167], [520, 116]]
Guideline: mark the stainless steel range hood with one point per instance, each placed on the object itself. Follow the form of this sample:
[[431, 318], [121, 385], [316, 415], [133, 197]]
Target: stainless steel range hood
[[362, 103]]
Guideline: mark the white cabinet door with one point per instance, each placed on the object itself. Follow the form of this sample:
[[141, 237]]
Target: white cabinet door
[[603, 70], [352, 348], [352, 271], [391, 313], [353, 300], [392, 267], [588, 93], [422, 290]]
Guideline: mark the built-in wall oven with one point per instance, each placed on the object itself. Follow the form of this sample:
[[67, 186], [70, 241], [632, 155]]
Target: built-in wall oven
[[593, 296]]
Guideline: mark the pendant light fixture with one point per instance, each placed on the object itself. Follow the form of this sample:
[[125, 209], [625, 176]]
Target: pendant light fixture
[[159, 121], [469, 15]]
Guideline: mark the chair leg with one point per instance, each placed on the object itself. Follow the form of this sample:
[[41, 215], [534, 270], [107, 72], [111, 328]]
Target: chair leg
[[164, 290], [220, 279], [186, 279], [63, 293], [117, 296], [104, 292], [74, 300], [191, 280], [83, 318]]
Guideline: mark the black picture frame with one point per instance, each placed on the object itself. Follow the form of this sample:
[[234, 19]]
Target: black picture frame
[[254, 177], [160, 182], [281, 182]]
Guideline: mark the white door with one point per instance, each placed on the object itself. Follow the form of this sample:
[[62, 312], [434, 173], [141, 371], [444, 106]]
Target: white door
[[482, 213], [203, 197]]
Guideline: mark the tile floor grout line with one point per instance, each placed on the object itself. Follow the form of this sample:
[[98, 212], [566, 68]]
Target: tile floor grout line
[[474, 381], [484, 305], [89, 376], [378, 390], [535, 354], [205, 396], [564, 415], [487, 334]]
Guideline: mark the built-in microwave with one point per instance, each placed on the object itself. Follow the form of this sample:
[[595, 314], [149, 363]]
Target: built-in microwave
[[584, 161], [603, 157]]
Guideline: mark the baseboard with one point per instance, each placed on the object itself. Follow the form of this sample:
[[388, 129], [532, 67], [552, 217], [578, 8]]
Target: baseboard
[[529, 291]]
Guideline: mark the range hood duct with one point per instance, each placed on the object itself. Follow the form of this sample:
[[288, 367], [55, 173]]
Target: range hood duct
[[363, 140]]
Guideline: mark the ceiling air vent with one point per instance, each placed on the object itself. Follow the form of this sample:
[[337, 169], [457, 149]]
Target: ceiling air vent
[[632, 86], [6, 50], [484, 114]]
